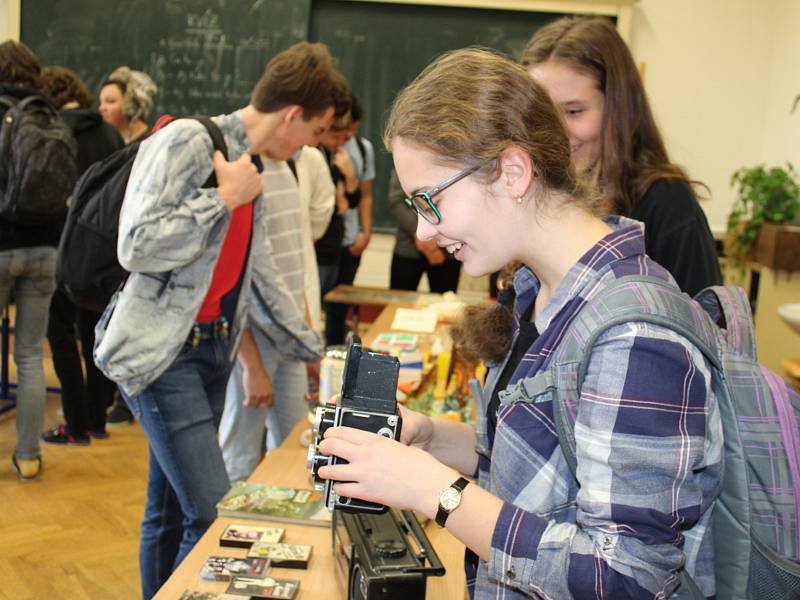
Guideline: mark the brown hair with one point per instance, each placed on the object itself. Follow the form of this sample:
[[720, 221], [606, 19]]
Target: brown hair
[[633, 154], [61, 85], [303, 75], [19, 65], [469, 105]]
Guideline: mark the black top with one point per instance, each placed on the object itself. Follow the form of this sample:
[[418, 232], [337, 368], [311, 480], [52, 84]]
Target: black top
[[329, 245], [20, 236], [677, 235], [527, 335]]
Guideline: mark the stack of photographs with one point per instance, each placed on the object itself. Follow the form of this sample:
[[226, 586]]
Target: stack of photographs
[[225, 568], [284, 589], [289, 556], [243, 536]]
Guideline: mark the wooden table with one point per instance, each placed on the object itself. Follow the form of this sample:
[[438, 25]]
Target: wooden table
[[372, 296], [286, 465]]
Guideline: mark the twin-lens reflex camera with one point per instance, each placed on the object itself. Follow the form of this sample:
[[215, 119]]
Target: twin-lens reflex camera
[[368, 402]]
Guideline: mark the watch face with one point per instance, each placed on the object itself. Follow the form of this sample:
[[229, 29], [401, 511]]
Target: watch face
[[450, 499]]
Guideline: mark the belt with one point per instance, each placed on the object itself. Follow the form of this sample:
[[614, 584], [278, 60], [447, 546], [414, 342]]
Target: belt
[[209, 330]]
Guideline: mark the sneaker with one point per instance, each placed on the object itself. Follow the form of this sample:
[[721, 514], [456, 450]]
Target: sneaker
[[60, 435], [27, 469], [119, 414], [98, 434]]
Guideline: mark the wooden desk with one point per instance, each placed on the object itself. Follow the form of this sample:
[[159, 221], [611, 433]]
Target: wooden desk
[[371, 296], [286, 465]]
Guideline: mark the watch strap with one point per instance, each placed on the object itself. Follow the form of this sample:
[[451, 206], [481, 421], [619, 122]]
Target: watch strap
[[442, 514]]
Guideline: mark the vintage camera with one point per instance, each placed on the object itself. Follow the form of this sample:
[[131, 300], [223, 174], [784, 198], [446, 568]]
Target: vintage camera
[[383, 556], [368, 402]]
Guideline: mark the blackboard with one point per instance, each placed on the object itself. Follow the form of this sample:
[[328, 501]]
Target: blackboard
[[381, 47], [204, 55]]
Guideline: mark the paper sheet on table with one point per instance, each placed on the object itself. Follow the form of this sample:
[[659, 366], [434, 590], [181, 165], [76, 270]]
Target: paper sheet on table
[[412, 319]]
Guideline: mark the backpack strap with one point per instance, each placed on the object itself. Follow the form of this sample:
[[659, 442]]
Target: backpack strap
[[363, 150], [293, 166], [218, 140], [729, 307], [633, 298]]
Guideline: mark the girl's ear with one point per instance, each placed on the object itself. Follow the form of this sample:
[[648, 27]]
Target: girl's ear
[[517, 171]]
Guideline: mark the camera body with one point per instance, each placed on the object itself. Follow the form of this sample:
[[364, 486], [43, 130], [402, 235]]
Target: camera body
[[368, 402], [383, 556]]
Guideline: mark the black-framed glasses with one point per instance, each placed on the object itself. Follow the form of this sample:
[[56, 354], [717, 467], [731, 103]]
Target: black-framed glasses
[[422, 202]]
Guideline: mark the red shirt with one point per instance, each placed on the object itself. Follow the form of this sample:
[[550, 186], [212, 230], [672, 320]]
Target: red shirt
[[230, 263]]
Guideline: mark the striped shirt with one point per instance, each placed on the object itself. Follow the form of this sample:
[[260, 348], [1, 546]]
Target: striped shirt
[[649, 450], [284, 225]]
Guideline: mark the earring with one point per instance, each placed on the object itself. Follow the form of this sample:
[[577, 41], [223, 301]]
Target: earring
[[519, 199]]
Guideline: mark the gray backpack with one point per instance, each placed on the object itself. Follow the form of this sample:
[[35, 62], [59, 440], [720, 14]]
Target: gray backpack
[[38, 162], [757, 515]]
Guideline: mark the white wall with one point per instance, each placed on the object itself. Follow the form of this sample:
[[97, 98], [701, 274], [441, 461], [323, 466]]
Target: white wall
[[781, 140], [721, 76], [9, 19]]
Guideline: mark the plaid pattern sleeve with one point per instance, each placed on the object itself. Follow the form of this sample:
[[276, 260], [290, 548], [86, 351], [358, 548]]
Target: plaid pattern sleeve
[[649, 450]]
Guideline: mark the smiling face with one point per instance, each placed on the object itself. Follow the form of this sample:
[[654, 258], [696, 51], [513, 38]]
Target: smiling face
[[111, 106], [582, 103], [472, 215]]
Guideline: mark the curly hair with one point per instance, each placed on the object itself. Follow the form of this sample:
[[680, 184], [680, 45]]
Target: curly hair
[[61, 85]]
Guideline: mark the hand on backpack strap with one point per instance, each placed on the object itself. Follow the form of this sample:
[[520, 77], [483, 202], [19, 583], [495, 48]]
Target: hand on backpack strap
[[238, 182]]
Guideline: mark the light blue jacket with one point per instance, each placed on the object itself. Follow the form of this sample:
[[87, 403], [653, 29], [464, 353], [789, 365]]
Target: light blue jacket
[[170, 235]]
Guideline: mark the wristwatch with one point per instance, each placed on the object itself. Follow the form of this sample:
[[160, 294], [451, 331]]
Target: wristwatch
[[449, 500]]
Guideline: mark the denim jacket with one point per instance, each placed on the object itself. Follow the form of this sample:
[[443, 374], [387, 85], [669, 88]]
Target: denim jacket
[[171, 232]]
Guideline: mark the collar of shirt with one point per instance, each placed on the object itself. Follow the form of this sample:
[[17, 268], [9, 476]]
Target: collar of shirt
[[625, 240]]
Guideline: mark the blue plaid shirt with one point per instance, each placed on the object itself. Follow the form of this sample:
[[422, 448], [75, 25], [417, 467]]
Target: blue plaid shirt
[[649, 449]]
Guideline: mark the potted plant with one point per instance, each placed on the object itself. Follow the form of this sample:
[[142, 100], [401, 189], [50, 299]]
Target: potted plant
[[763, 196]]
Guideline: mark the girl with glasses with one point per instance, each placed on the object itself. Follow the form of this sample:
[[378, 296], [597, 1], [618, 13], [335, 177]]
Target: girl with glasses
[[483, 156]]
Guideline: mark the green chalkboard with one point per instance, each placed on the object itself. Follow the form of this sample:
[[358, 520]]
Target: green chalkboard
[[204, 55], [381, 47]]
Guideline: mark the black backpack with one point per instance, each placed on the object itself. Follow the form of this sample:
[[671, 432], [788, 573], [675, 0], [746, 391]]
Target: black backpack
[[38, 162], [87, 269]]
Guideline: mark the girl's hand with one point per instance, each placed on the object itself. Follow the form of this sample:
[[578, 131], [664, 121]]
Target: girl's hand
[[385, 471], [417, 429]]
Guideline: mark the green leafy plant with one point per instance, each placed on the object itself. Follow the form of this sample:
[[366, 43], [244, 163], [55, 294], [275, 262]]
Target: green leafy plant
[[762, 196]]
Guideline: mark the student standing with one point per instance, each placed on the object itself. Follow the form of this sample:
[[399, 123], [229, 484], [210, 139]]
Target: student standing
[[126, 99], [357, 218], [170, 336], [487, 169], [84, 400], [282, 375], [411, 256], [588, 70], [27, 269]]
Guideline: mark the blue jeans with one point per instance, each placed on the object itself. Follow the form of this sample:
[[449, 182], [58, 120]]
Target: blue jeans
[[30, 274], [241, 432], [180, 413]]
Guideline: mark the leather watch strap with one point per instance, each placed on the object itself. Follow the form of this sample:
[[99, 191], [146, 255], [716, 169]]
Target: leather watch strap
[[441, 515]]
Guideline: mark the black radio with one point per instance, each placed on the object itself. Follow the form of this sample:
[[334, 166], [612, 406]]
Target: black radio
[[383, 556], [368, 402]]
